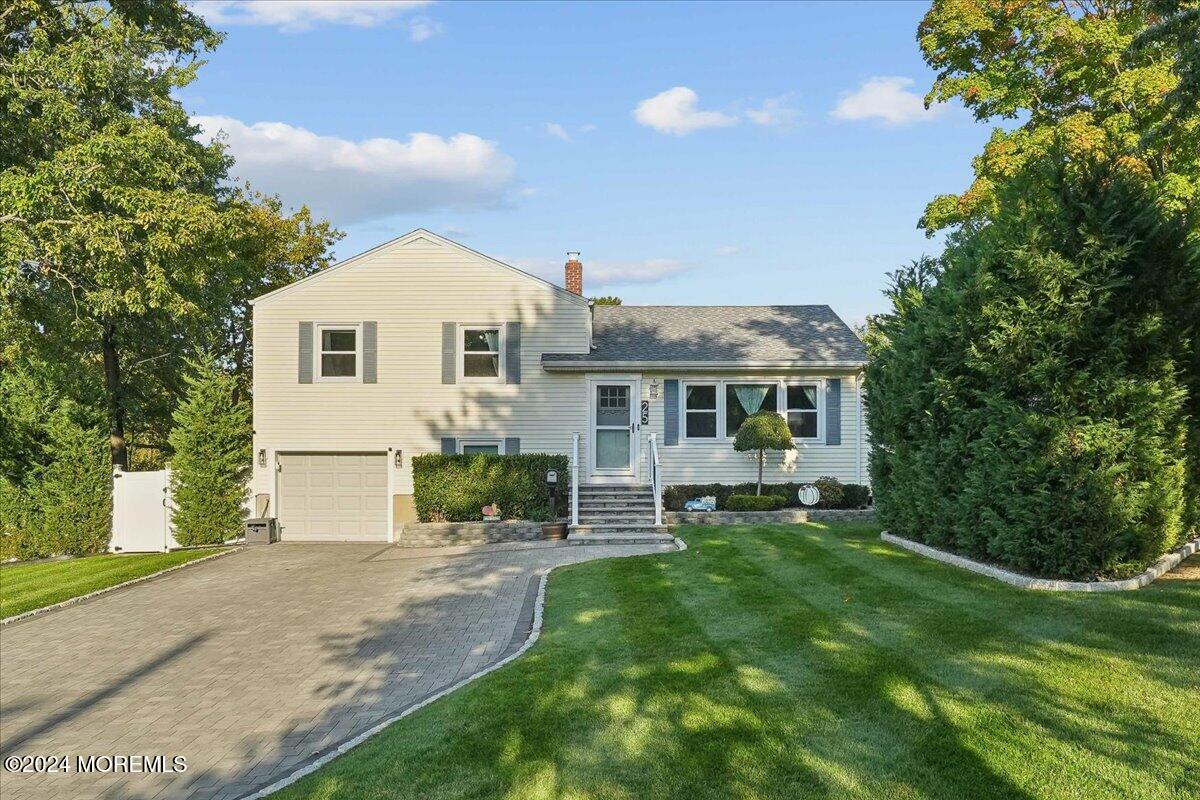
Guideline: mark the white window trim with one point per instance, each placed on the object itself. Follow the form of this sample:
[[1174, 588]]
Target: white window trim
[[780, 384], [819, 385], [358, 352], [481, 442], [502, 343], [720, 392]]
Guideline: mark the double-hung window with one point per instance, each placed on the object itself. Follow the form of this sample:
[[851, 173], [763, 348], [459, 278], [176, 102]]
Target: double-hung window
[[482, 352], [802, 410], [744, 399], [339, 354], [700, 411]]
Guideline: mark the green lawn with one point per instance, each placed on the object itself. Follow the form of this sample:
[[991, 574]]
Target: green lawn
[[803, 661], [24, 587]]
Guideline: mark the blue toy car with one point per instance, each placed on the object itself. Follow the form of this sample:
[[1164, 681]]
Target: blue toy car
[[701, 504]]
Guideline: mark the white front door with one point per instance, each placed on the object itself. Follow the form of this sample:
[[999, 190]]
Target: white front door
[[614, 429]]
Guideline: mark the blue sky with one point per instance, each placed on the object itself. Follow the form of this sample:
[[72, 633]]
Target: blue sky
[[708, 153]]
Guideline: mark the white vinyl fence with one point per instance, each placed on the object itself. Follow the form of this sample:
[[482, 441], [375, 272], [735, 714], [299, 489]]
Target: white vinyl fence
[[141, 512]]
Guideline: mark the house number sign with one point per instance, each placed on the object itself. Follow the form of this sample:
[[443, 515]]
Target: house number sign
[[645, 412]]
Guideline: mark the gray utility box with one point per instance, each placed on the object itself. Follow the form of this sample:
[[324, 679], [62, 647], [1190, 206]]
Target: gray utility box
[[262, 530]]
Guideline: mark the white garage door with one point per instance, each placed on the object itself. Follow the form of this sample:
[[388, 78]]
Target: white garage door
[[333, 496]]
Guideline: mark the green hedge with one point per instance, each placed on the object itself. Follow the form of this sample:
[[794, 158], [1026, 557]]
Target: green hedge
[[834, 494], [753, 502], [455, 488], [1029, 390]]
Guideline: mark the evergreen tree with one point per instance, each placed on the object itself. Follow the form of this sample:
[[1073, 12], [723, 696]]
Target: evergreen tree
[[212, 443], [1029, 394], [73, 494]]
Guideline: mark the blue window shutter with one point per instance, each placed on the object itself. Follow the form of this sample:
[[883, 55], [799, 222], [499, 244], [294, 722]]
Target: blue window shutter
[[671, 412], [370, 352], [512, 352], [449, 352], [305, 372], [449, 446], [512, 446], [833, 411]]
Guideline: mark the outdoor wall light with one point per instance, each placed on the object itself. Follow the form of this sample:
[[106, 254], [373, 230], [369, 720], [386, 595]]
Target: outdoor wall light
[[398, 459], [654, 389], [262, 458]]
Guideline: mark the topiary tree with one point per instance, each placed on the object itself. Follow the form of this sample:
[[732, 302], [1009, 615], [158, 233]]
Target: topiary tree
[[763, 431], [211, 439]]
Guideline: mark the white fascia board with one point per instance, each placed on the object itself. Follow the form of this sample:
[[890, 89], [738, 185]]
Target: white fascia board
[[418, 233]]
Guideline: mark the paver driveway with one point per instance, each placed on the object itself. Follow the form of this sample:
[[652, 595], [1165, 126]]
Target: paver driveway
[[249, 665]]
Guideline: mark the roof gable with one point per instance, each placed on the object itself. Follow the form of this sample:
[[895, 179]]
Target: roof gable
[[413, 239]]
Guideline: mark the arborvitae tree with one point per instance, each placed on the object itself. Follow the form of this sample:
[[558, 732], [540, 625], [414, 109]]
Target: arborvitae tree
[[73, 494], [1028, 395], [211, 439]]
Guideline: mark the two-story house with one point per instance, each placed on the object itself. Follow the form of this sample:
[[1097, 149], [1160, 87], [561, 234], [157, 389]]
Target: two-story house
[[423, 345]]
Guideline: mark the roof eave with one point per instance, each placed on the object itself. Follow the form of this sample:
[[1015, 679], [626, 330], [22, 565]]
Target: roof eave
[[551, 365]]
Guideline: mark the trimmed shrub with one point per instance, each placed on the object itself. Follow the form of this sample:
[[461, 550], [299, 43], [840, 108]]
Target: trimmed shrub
[[754, 502], [833, 494], [212, 443], [851, 495], [1028, 400], [454, 488]]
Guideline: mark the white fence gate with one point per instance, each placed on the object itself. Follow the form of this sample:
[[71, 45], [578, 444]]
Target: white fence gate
[[141, 512]]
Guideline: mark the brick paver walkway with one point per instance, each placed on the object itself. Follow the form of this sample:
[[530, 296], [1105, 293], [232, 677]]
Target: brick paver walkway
[[249, 665]]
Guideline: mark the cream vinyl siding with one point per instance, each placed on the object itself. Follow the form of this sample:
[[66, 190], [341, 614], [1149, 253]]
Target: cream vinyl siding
[[409, 288], [715, 461]]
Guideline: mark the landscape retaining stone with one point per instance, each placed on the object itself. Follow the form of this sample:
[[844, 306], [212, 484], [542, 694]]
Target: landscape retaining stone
[[450, 534], [1164, 564], [785, 516]]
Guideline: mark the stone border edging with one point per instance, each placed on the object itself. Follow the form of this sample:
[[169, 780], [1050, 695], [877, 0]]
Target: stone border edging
[[1153, 572], [535, 631], [81, 598]]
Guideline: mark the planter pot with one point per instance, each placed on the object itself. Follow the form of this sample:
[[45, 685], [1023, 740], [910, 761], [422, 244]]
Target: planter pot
[[491, 519], [554, 530]]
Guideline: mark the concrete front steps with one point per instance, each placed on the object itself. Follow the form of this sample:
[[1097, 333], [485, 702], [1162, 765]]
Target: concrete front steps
[[617, 514]]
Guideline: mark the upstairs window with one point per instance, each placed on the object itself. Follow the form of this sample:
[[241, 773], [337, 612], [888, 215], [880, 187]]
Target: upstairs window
[[482, 353], [338, 357], [700, 411], [802, 410]]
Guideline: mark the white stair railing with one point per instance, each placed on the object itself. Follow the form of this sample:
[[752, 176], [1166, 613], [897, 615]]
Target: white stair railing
[[656, 478], [575, 478]]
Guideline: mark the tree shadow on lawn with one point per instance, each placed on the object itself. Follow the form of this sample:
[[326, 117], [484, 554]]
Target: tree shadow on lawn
[[796, 664], [786, 662]]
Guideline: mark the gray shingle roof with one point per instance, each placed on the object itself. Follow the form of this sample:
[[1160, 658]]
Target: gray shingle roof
[[728, 334]]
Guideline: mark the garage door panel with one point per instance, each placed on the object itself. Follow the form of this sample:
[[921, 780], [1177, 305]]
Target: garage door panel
[[339, 496]]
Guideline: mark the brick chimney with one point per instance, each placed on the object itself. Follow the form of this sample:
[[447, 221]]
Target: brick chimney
[[574, 274]]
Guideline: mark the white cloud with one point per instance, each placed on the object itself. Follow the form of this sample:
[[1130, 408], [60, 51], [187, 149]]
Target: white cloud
[[588, 128], [557, 131], [675, 111], [775, 112], [728, 250], [422, 28], [886, 98], [353, 181], [294, 16], [606, 273]]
